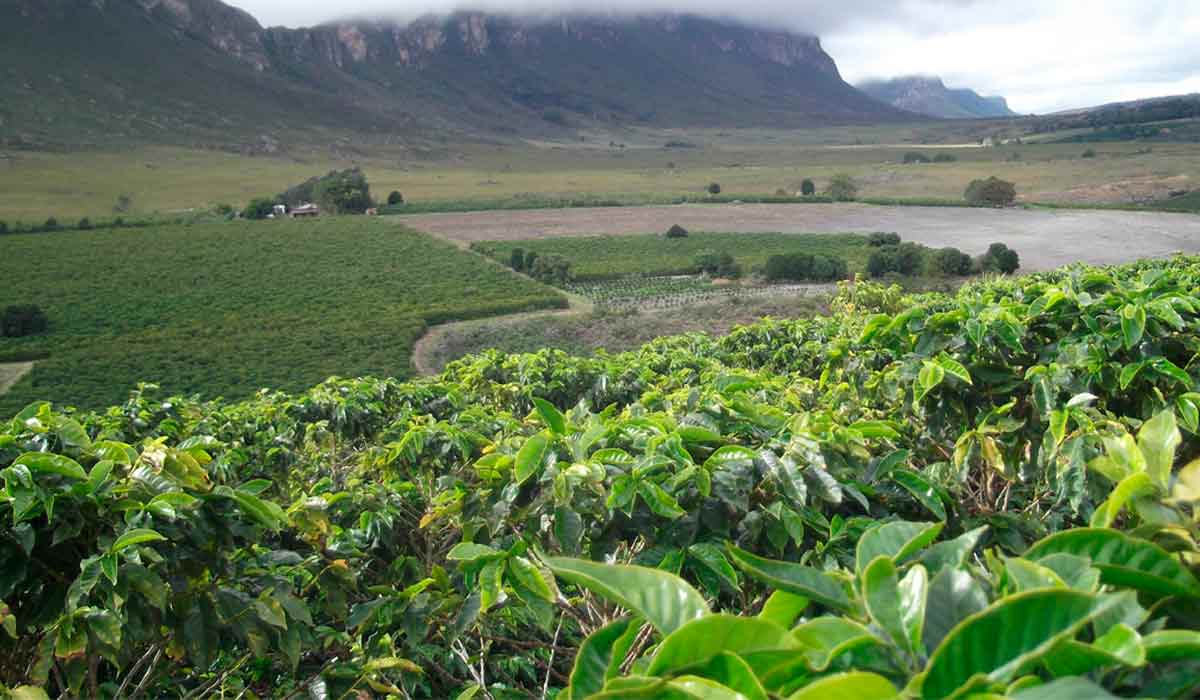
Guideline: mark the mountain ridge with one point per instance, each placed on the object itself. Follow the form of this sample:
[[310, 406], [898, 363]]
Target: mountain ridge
[[928, 95], [473, 74]]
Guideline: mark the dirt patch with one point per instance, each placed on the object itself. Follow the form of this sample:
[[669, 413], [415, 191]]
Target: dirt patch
[[1140, 189], [1045, 238], [11, 373], [583, 333]]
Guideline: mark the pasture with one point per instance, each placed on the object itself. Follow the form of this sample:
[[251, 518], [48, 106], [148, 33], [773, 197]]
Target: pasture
[[224, 309], [637, 169]]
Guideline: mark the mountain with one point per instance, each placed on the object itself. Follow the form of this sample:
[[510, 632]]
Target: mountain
[[199, 71], [930, 96]]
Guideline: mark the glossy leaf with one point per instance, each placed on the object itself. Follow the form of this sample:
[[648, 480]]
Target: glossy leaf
[[1122, 560], [793, 578], [665, 600]]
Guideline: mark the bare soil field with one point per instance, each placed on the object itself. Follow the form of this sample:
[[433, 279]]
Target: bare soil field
[[1045, 238]]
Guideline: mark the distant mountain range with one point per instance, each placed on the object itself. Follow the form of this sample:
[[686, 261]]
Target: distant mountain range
[[929, 96], [79, 72]]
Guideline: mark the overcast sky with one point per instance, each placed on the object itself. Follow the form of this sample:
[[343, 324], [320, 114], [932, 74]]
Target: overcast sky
[[1043, 55]]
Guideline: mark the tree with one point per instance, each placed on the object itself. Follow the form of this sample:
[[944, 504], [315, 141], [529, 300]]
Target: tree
[[915, 157], [842, 188], [1089, 153], [714, 188], [51, 224], [992, 191], [551, 268], [1000, 258], [395, 198], [951, 261], [530, 258], [808, 188], [85, 224], [123, 204], [3, 227], [346, 192], [677, 231], [259, 208], [878, 240], [516, 259], [21, 320]]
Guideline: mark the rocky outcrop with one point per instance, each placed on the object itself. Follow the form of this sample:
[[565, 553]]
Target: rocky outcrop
[[928, 95]]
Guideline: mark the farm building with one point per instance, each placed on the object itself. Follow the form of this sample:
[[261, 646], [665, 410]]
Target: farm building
[[305, 210]]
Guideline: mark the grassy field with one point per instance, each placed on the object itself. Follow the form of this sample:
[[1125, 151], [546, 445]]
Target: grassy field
[[35, 185], [611, 257], [224, 309]]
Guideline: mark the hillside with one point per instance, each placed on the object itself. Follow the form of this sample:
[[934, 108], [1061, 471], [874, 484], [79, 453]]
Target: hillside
[[201, 72], [931, 97]]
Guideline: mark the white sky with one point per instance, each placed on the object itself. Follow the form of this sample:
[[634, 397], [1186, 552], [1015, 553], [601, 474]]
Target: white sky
[[1043, 55]]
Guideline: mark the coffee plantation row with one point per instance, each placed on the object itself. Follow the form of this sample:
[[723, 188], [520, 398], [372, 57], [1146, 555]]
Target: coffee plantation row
[[984, 495]]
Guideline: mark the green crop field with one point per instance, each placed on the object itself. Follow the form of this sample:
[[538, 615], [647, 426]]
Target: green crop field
[[223, 309], [610, 257]]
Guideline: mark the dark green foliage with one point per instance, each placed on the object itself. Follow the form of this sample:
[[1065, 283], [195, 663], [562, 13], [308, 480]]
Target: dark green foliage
[[1000, 258], [551, 269], [842, 188], [881, 239], [804, 267], [903, 259], [226, 308], [530, 258], [51, 224], [951, 261], [259, 208], [913, 157], [395, 198], [713, 188], [3, 227], [945, 158], [992, 191], [808, 188], [22, 320], [677, 231], [336, 192], [720, 264], [516, 260], [84, 224], [1089, 153], [123, 204]]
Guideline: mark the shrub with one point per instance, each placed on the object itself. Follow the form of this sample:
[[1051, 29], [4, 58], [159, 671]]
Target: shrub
[[21, 320], [1089, 153], [903, 259], [876, 240], [551, 268], [394, 198], [85, 224], [259, 208], [3, 227], [882, 262], [713, 188], [993, 191], [781, 192], [123, 204], [827, 268], [722, 264], [802, 267], [530, 258], [345, 192], [842, 188], [1000, 258], [945, 158], [677, 231], [951, 261], [516, 260], [915, 157], [808, 188]]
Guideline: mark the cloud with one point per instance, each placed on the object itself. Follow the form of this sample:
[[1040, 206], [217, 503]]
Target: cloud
[[1043, 55]]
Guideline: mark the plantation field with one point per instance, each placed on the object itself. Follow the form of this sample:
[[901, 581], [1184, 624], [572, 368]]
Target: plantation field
[[611, 257], [224, 309], [1045, 238], [991, 493], [167, 181]]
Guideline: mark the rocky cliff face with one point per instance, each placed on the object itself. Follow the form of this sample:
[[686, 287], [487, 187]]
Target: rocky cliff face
[[174, 65], [929, 96]]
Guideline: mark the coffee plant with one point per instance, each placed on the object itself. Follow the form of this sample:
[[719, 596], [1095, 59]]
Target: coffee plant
[[990, 494]]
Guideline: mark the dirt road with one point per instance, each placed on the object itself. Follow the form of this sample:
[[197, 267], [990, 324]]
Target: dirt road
[[1045, 239]]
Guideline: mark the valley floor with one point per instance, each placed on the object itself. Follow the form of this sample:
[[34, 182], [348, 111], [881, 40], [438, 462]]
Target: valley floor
[[1045, 238]]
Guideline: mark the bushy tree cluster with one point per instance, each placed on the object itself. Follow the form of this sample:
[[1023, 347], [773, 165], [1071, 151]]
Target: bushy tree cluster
[[718, 264], [551, 268], [842, 188], [808, 188], [992, 191], [804, 267], [1000, 258], [20, 320], [913, 157], [880, 239], [903, 259], [952, 262], [677, 231]]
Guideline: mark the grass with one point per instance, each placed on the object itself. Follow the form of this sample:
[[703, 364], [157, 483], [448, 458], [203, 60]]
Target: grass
[[224, 309], [611, 257], [747, 163]]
